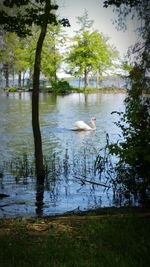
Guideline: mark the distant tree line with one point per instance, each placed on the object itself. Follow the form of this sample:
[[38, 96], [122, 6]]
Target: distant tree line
[[19, 17], [87, 54]]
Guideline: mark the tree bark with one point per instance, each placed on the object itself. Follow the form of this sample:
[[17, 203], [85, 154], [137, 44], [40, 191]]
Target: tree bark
[[35, 109], [39, 165], [79, 82], [23, 78], [6, 72], [85, 78], [19, 79], [55, 71], [39, 197]]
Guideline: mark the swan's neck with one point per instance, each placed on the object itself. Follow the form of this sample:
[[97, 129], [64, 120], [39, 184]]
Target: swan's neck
[[93, 125]]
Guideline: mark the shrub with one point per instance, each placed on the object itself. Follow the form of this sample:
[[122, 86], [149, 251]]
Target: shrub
[[61, 87], [133, 171], [11, 89]]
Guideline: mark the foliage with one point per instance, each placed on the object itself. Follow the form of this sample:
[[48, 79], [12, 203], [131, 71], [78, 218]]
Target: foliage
[[11, 89], [133, 151], [18, 18], [132, 169], [18, 54], [84, 22], [51, 53], [14, 55], [51, 57], [7, 54], [60, 86], [90, 52], [126, 67], [25, 13], [141, 11]]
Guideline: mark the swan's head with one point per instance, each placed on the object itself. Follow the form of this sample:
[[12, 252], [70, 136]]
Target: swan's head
[[93, 122], [93, 119]]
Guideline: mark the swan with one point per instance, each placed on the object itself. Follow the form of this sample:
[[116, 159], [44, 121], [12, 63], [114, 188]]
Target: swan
[[82, 126]]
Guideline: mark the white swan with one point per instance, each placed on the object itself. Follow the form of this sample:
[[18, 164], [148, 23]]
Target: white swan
[[82, 126]]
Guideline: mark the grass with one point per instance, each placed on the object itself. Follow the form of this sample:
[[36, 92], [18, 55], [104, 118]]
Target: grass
[[92, 90], [107, 237]]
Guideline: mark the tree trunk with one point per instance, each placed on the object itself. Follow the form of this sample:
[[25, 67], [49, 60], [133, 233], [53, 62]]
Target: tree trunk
[[55, 63], [85, 78], [35, 109], [97, 79], [79, 82], [30, 74], [39, 165], [6, 71], [13, 76], [39, 197], [23, 78], [19, 79]]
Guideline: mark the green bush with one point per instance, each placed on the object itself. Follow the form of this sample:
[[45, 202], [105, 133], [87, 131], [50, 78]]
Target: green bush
[[129, 172], [133, 172], [61, 87], [11, 89]]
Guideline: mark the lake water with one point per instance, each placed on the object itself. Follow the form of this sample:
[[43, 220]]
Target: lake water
[[70, 155]]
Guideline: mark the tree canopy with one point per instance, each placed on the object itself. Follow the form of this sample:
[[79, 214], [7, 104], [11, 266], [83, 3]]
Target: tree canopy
[[18, 54], [19, 16], [90, 51], [140, 9]]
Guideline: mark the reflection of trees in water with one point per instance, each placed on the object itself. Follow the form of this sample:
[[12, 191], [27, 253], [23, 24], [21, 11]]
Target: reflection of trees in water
[[92, 200]]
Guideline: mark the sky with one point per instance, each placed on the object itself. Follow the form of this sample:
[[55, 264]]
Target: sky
[[102, 17]]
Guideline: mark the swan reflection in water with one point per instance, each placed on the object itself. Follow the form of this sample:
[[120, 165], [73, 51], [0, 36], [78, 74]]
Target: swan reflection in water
[[82, 126]]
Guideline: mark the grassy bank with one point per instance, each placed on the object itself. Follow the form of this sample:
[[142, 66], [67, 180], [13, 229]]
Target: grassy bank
[[66, 90], [109, 237], [99, 90]]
